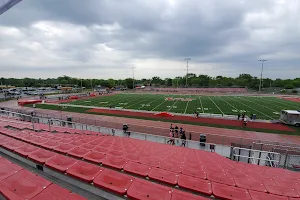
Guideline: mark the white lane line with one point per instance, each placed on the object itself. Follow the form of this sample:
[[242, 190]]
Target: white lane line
[[174, 104], [201, 104], [140, 102], [273, 104], [187, 104], [152, 101], [259, 105], [164, 101], [228, 103], [216, 105], [254, 109], [282, 103]]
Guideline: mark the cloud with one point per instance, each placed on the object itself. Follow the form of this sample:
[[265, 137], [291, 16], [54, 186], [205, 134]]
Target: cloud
[[103, 39]]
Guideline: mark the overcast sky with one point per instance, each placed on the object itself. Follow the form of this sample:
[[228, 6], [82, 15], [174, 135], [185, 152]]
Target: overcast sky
[[105, 38]]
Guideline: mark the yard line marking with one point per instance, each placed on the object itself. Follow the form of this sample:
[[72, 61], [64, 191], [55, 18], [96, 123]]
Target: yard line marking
[[216, 105], [139, 102], [254, 109], [260, 105], [201, 104], [152, 101], [291, 105], [173, 104], [158, 105], [261, 100], [228, 103], [187, 104]]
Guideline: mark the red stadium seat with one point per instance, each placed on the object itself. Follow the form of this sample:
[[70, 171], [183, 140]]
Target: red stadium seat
[[88, 146], [56, 192], [116, 153], [180, 195], [145, 190], [221, 178], [195, 184], [60, 163], [12, 145], [282, 191], [50, 145], [95, 157], [101, 149], [264, 196], [7, 169], [40, 141], [41, 156], [115, 162], [191, 171], [76, 143], [26, 150], [229, 192], [163, 176], [251, 184], [84, 171], [132, 157], [63, 148], [170, 166], [137, 168], [113, 181], [78, 152], [23, 185], [154, 162]]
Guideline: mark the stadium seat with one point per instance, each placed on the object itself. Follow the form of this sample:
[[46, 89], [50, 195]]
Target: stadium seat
[[41, 156], [282, 191], [88, 146], [95, 157], [26, 150], [229, 192], [12, 145], [180, 195], [132, 157], [23, 185], [7, 168], [78, 152], [154, 162], [101, 149], [114, 162], [163, 176], [55, 192], [63, 148], [195, 172], [40, 141], [264, 196], [76, 143], [145, 190], [221, 178], [116, 153], [84, 171], [60, 163], [194, 184], [50, 145], [250, 184], [175, 167], [137, 168], [114, 181]]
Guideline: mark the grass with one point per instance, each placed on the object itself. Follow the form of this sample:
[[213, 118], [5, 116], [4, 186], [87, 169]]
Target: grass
[[84, 110], [267, 108]]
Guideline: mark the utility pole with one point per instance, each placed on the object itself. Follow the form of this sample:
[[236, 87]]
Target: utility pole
[[92, 85], [187, 70], [132, 77], [262, 69], [81, 86]]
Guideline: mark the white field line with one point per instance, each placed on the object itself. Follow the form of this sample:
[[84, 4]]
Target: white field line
[[187, 104], [216, 105], [139, 102], [292, 105], [159, 105], [261, 105], [229, 104], [201, 104], [118, 100], [273, 104], [152, 101], [174, 104], [254, 109]]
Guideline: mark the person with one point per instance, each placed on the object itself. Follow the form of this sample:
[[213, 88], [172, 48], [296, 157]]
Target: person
[[197, 114], [245, 122], [239, 116], [171, 140], [251, 117], [171, 127], [243, 116], [183, 137]]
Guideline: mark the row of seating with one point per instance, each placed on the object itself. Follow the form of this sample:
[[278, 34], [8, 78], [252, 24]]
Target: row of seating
[[18, 183], [194, 170]]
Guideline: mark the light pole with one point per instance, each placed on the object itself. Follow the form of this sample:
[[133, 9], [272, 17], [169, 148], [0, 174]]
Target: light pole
[[262, 69], [132, 77], [187, 70]]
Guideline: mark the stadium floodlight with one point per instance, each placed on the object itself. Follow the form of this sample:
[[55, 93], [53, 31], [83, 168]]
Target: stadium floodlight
[[132, 77], [187, 70], [262, 69], [5, 5]]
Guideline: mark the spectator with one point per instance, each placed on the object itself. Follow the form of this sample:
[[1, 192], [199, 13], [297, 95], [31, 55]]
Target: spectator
[[171, 140], [239, 116], [245, 121], [183, 138]]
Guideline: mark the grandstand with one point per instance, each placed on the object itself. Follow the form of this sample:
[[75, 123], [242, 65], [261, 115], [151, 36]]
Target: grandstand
[[201, 90], [115, 167]]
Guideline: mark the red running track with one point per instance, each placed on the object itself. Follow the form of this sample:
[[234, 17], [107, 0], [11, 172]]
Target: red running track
[[226, 122]]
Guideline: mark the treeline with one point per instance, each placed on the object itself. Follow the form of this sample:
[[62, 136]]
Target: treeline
[[243, 80]]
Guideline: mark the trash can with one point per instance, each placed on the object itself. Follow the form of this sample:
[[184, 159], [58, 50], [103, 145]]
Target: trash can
[[254, 116], [202, 139]]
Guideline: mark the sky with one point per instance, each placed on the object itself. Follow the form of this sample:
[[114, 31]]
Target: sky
[[107, 38]]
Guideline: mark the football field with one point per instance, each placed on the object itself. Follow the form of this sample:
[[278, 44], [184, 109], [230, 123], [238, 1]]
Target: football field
[[267, 108]]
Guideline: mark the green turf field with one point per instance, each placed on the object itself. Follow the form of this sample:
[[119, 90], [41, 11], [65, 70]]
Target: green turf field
[[264, 107]]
